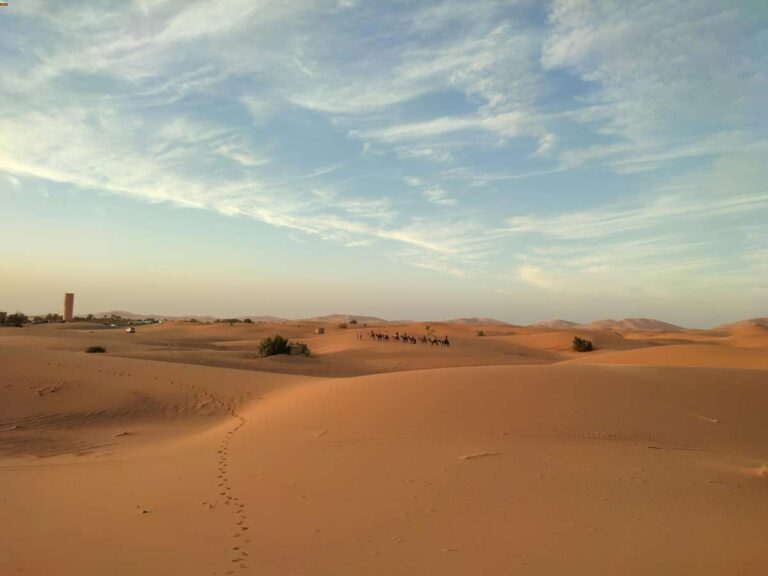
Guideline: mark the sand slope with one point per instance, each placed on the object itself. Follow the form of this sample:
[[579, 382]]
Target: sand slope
[[505, 454]]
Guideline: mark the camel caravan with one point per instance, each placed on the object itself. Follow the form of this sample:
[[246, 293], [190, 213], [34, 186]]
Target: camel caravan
[[408, 339]]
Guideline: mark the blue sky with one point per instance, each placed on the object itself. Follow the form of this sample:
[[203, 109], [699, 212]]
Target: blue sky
[[521, 159]]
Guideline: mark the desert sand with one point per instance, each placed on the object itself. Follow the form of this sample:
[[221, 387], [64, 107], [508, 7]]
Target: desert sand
[[180, 451]]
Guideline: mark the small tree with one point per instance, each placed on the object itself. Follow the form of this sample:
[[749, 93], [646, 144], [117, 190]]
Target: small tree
[[343, 325], [248, 321], [582, 345], [481, 333], [3, 317], [353, 321]]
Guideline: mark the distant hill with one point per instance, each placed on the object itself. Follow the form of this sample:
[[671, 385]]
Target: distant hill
[[557, 324], [483, 321], [631, 324], [745, 323], [339, 318]]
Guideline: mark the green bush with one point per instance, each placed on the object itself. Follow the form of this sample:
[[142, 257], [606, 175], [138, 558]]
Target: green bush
[[274, 345], [279, 345], [95, 349], [353, 321], [480, 333], [582, 345], [304, 348], [343, 325]]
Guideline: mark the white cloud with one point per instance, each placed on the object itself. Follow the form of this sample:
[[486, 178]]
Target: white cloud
[[437, 195], [547, 144], [661, 74], [434, 194], [506, 124], [433, 153]]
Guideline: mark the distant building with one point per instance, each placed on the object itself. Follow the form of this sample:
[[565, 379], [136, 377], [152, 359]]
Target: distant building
[[319, 330], [69, 307]]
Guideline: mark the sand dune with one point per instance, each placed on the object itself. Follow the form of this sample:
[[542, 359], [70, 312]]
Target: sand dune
[[339, 318], [557, 324], [745, 323], [480, 321], [631, 324], [684, 355], [506, 453]]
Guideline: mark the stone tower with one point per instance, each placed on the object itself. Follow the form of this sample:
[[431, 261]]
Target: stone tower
[[69, 307]]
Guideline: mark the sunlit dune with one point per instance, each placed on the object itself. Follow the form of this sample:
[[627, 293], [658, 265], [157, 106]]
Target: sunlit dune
[[181, 451]]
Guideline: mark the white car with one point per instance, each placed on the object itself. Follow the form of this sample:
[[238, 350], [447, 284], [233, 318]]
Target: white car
[[131, 330]]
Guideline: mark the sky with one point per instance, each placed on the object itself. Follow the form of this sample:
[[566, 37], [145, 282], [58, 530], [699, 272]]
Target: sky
[[522, 160]]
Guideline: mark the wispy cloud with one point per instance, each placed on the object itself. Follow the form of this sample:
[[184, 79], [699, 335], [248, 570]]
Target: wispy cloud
[[437, 195], [517, 133], [505, 125], [609, 221]]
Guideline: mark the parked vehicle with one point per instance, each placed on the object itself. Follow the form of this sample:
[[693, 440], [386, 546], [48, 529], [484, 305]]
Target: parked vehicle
[[131, 330]]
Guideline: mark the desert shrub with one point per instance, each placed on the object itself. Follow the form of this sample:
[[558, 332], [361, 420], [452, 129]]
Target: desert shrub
[[248, 321], [274, 345], [343, 325], [353, 321], [304, 348], [582, 345], [95, 349], [279, 345], [481, 333]]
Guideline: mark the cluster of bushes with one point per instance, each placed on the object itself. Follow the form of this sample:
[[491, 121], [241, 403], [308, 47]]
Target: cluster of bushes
[[278, 345], [481, 333], [95, 350], [582, 345], [16, 319], [234, 320], [343, 325]]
